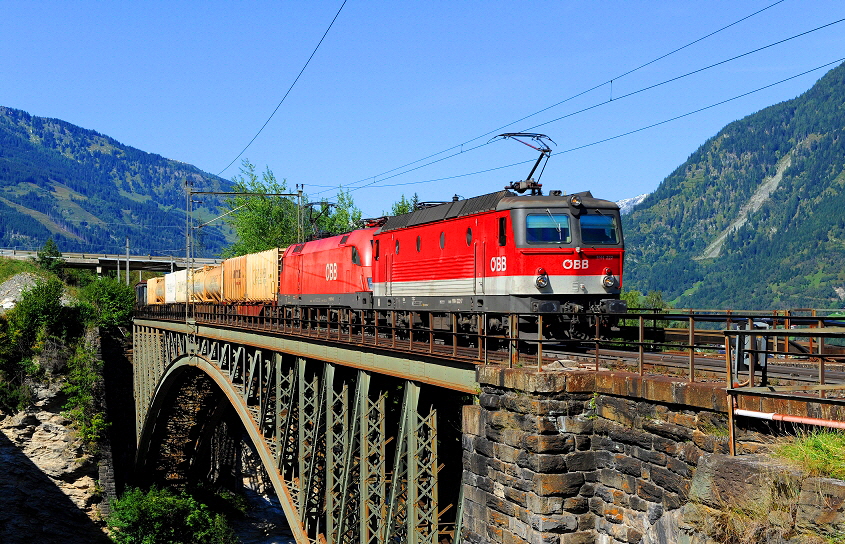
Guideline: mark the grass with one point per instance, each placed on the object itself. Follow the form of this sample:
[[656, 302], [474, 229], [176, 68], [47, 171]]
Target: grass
[[820, 453], [10, 267]]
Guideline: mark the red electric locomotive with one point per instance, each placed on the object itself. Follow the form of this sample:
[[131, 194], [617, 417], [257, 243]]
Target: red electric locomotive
[[335, 271], [496, 255], [504, 254]]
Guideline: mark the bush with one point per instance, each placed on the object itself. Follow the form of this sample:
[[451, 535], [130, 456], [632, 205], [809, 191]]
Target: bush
[[37, 314], [82, 407], [161, 516], [112, 300]]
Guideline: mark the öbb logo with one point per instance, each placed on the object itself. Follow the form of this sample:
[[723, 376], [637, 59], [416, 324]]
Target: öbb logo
[[576, 264]]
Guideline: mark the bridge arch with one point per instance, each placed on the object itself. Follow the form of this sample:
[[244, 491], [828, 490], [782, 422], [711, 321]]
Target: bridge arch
[[193, 373], [346, 450]]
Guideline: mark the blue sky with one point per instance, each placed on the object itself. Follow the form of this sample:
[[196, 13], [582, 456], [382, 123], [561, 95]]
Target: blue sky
[[394, 82]]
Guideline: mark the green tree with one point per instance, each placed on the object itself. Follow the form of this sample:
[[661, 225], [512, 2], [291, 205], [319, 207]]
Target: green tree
[[49, 257], [263, 222], [112, 300], [161, 516], [260, 222], [14, 393], [84, 382], [343, 217], [654, 299], [404, 205]]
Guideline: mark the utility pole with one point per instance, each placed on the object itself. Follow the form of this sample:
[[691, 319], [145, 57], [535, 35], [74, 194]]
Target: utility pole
[[188, 249], [127, 260]]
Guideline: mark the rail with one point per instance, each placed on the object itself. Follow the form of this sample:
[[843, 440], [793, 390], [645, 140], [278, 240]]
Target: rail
[[521, 340]]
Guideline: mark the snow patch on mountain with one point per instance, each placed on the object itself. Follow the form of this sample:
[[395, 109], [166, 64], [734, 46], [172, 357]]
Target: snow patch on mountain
[[626, 205]]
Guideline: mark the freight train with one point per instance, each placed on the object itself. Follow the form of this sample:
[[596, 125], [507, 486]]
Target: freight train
[[493, 255]]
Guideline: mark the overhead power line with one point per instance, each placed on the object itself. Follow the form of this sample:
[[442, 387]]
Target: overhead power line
[[628, 133], [499, 129], [594, 106], [685, 75], [288, 91]]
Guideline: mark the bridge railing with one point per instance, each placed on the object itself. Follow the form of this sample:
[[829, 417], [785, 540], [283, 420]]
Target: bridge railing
[[653, 339]]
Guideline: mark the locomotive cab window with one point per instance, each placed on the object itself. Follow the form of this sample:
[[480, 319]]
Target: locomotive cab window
[[356, 257], [547, 228], [397, 247], [376, 250], [599, 229], [469, 236]]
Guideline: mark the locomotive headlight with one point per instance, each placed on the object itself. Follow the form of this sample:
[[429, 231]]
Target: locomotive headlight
[[575, 200], [542, 280], [609, 282]]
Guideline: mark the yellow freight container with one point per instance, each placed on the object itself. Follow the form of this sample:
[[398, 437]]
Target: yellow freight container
[[208, 284], [262, 276], [155, 290], [234, 279]]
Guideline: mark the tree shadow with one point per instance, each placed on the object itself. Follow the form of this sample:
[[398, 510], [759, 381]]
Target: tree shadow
[[34, 509]]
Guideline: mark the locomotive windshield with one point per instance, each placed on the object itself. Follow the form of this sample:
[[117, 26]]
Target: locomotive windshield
[[547, 228], [599, 229]]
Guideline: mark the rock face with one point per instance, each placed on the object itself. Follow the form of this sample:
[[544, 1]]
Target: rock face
[[48, 486]]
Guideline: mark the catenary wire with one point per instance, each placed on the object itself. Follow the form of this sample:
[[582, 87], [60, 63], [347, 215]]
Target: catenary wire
[[458, 146], [638, 91], [594, 106], [597, 142], [288, 91]]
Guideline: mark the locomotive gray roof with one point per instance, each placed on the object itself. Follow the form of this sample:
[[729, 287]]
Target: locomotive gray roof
[[448, 210], [501, 200]]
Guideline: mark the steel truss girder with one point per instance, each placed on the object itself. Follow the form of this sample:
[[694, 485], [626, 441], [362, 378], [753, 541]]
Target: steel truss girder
[[328, 448]]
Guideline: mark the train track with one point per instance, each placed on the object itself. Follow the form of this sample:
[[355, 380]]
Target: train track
[[707, 368], [798, 370]]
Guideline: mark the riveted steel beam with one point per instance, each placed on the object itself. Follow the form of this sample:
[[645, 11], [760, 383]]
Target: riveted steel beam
[[326, 452], [420, 368]]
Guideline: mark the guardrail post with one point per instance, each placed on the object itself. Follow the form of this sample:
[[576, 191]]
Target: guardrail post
[[691, 348], [728, 386], [641, 346], [540, 342]]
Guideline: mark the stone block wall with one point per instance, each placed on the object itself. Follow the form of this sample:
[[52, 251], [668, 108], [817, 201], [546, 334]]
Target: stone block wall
[[581, 457]]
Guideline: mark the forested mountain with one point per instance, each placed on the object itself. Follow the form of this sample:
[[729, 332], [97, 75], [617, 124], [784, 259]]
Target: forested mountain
[[755, 218], [89, 192]]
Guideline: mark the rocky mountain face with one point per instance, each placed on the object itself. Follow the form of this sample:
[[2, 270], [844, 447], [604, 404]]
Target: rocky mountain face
[[90, 192], [754, 218], [48, 484]]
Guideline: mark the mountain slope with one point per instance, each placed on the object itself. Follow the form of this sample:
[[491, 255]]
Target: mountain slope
[[755, 218], [90, 192]]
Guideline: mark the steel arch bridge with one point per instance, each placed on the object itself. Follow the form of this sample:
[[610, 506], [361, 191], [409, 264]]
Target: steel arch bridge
[[338, 429]]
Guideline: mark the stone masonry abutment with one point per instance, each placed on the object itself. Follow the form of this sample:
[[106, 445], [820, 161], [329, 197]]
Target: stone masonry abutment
[[578, 457]]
